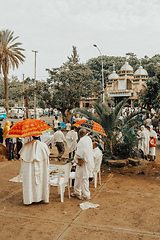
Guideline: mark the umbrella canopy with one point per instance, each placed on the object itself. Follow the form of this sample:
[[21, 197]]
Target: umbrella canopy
[[27, 128], [91, 126]]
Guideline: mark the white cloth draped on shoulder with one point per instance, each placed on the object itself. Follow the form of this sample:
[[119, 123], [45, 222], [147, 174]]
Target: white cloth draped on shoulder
[[152, 134], [144, 144], [85, 151], [71, 138], [97, 156], [35, 171]]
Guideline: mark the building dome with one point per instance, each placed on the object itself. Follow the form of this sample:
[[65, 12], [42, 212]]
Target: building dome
[[126, 67], [113, 75], [140, 71]]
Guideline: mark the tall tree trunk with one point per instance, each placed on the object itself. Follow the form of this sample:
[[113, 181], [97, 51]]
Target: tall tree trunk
[[6, 92]]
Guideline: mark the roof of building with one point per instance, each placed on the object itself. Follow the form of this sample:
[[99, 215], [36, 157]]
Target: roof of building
[[113, 75], [140, 71], [126, 67]]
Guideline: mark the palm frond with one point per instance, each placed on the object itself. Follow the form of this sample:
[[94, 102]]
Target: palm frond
[[88, 115], [118, 109]]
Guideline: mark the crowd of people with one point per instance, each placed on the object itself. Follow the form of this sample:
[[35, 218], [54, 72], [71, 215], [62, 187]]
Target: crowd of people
[[84, 149], [34, 155], [35, 164]]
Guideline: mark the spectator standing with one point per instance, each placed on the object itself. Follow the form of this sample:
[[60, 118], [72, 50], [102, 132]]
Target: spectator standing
[[59, 141], [1, 134], [148, 121], [12, 142], [97, 156], [144, 142], [56, 121], [155, 123], [68, 126], [152, 144], [19, 146], [71, 138], [35, 171], [83, 172]]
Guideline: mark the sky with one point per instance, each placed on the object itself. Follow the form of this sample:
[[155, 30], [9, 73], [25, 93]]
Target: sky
[[52, 27]]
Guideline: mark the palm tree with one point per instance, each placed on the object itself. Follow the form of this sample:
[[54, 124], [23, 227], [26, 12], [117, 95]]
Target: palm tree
[[10, 56], [110, 121]]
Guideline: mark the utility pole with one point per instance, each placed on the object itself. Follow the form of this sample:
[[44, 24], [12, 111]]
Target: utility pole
[[35, 85], [23, 93], [103, 97]]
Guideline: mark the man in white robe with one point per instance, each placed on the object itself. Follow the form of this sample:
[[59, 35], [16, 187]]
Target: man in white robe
[[152, 149], [144, 143], [71, 138], [35, 171], [97, 156], [85, 152]]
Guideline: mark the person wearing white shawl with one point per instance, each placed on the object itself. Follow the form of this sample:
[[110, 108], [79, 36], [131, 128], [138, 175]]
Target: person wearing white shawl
[[144, 142], [97, 156], [35, 171], [71, 139], [85, 152], [152, 147]]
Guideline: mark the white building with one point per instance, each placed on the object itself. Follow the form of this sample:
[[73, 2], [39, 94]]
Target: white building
[[126, 84]]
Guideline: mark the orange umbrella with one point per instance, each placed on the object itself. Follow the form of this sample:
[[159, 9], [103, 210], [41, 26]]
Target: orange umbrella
[[27, 128], [91, 126]]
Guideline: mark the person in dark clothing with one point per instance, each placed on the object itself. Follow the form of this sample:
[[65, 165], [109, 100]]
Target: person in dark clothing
[[19, 146], [11, 124], [11, 149], [155, 123], [1, 133]]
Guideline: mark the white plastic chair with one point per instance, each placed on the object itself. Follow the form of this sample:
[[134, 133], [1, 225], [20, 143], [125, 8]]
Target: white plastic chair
[[97, 171], [62, 182]]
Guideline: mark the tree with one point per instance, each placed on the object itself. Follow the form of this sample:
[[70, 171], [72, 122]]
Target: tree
[[95, 64], [10, 56], [111, 123], [69, 83], [149, 97]]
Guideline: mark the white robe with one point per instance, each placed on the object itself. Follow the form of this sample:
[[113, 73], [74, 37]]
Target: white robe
[[71, 138], [144, 145], [85, 151], [152, 133], [97, 156], [35, 171]]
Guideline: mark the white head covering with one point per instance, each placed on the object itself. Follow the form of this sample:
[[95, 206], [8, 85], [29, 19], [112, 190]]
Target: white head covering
[[142, 127], [152, 133]]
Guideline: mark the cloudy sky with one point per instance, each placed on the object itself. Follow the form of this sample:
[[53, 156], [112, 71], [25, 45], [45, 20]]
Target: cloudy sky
[[52, 27]]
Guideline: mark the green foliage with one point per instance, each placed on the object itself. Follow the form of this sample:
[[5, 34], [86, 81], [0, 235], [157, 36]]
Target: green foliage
[[121, 138], [149, 97], [69, 83], [95, 64], [127, 147], [10, 56]]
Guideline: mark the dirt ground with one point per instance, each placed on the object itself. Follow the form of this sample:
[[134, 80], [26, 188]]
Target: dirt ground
[[129, 201]]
